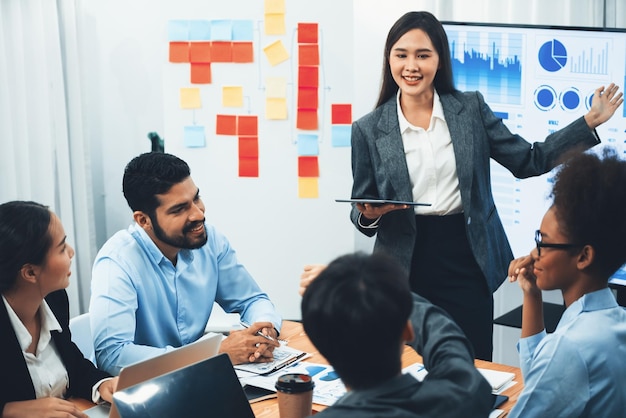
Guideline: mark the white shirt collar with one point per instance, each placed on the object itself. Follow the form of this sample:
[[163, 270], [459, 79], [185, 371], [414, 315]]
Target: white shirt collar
[[48, 323], [437, 112]]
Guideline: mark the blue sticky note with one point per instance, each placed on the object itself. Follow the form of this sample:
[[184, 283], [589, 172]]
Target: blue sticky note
[[194, 136], [308, 145], [243, 30], [341, 135], [221, 30], [178, 30], [199, 30]]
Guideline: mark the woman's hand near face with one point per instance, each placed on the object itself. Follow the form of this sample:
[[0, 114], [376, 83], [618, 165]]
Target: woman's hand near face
[[521, 271]]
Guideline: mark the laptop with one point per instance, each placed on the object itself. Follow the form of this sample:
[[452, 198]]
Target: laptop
[[206, 347], [208, 388]]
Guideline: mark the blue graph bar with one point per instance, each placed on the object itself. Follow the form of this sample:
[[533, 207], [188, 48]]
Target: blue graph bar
[[477, 66], [502, 115], [584, 63]]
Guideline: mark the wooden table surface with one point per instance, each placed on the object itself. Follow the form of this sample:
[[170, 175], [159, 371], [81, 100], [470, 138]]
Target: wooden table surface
[[293, 332]]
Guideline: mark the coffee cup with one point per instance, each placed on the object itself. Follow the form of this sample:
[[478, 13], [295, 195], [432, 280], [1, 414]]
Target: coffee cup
[[295, 395]]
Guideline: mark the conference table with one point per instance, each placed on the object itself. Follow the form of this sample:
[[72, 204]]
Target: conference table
[[294, 333]]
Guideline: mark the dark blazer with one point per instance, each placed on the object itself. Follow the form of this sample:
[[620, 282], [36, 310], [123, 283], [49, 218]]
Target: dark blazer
[[16, 384], [380, 171]]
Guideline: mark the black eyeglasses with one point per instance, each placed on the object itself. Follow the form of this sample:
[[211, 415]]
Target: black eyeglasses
[[541, 244]]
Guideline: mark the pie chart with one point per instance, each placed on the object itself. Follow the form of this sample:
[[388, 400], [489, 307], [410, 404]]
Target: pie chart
[[552, 56]]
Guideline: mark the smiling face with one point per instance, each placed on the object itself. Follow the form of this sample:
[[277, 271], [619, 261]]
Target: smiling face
[[178, 220], [54, 273], [556, 268], [413, 63]]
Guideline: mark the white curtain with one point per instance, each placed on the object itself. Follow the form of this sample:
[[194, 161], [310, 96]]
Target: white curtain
[[43, 150]]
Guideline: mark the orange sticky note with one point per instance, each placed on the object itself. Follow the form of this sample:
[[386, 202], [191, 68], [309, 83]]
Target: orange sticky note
[[307, 119], [307, 98], [308, 76], [308, 188], [248, 167], [308, 54], [200, 52], [307, 33], [226, 125], [179, 51], [221, 52], [341, 114], [242, 52], [308, 167], [248, 147], [247, 125], [200, 73]]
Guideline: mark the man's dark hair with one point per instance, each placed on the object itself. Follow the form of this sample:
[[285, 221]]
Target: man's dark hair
[[355, 313], [149, 175]]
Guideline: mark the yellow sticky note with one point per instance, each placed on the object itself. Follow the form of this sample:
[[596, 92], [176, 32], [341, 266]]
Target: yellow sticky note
[[190, 98], [275, 87], [276, 53], [276, 108], [274, 6], [232, 96], [274, 23], [307, 188]]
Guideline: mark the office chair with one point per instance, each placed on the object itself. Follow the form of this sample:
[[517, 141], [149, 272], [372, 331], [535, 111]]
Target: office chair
[[81, 336]]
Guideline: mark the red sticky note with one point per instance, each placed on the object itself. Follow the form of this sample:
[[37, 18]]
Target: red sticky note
[[226, 125], [248, 147], [307, 119], [179, 51], [247, 126], [307, 98], [308, 167], [242, 52], [248, 167], [308, 76], [221, 52], [341, 114], [200, 73], [308, 54], [200, 52], [307, 33]]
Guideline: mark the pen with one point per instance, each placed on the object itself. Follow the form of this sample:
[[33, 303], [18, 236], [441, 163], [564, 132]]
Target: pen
[[259, 333]]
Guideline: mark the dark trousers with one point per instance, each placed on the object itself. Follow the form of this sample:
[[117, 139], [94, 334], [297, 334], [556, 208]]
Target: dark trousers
[[444, 271]]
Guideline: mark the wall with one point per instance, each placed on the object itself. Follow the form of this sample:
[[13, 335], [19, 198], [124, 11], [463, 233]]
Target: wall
[[125, 44]]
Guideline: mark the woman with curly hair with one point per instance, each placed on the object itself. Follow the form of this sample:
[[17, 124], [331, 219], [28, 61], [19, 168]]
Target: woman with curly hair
[[579, 370]]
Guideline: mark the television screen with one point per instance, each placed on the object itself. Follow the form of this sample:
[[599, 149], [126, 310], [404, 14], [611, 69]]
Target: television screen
[[538, 79]]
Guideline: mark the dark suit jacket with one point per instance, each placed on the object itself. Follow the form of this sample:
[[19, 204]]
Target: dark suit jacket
[[16, 384], [380, 171]]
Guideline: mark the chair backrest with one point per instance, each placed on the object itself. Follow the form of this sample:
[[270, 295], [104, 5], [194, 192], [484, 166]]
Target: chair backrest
[[81, 336]]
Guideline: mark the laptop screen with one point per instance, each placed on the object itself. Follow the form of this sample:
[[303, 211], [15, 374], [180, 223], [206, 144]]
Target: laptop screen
[[207, 388]]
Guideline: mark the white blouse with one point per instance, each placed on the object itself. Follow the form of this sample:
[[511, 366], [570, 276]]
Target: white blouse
[[431, 163], [46, 369]]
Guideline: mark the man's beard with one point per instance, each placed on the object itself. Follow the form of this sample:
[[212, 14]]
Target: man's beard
[[180, 242]]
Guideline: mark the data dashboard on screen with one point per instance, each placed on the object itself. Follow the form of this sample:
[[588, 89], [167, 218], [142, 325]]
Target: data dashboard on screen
[[537, 79]]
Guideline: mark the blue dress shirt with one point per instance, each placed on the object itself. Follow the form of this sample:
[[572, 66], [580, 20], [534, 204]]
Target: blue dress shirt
[[580, 369], [142, 305]]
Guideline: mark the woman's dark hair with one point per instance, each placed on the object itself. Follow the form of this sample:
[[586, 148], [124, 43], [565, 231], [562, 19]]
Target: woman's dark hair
[[425, 21], [589, 199], [24, 238], [355, 297], [148, 175]]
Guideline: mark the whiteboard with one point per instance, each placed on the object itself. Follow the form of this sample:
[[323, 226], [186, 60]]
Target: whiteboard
[[274, 232]]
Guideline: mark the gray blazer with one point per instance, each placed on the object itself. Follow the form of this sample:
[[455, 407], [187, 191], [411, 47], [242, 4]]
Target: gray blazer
[[379, 170]]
